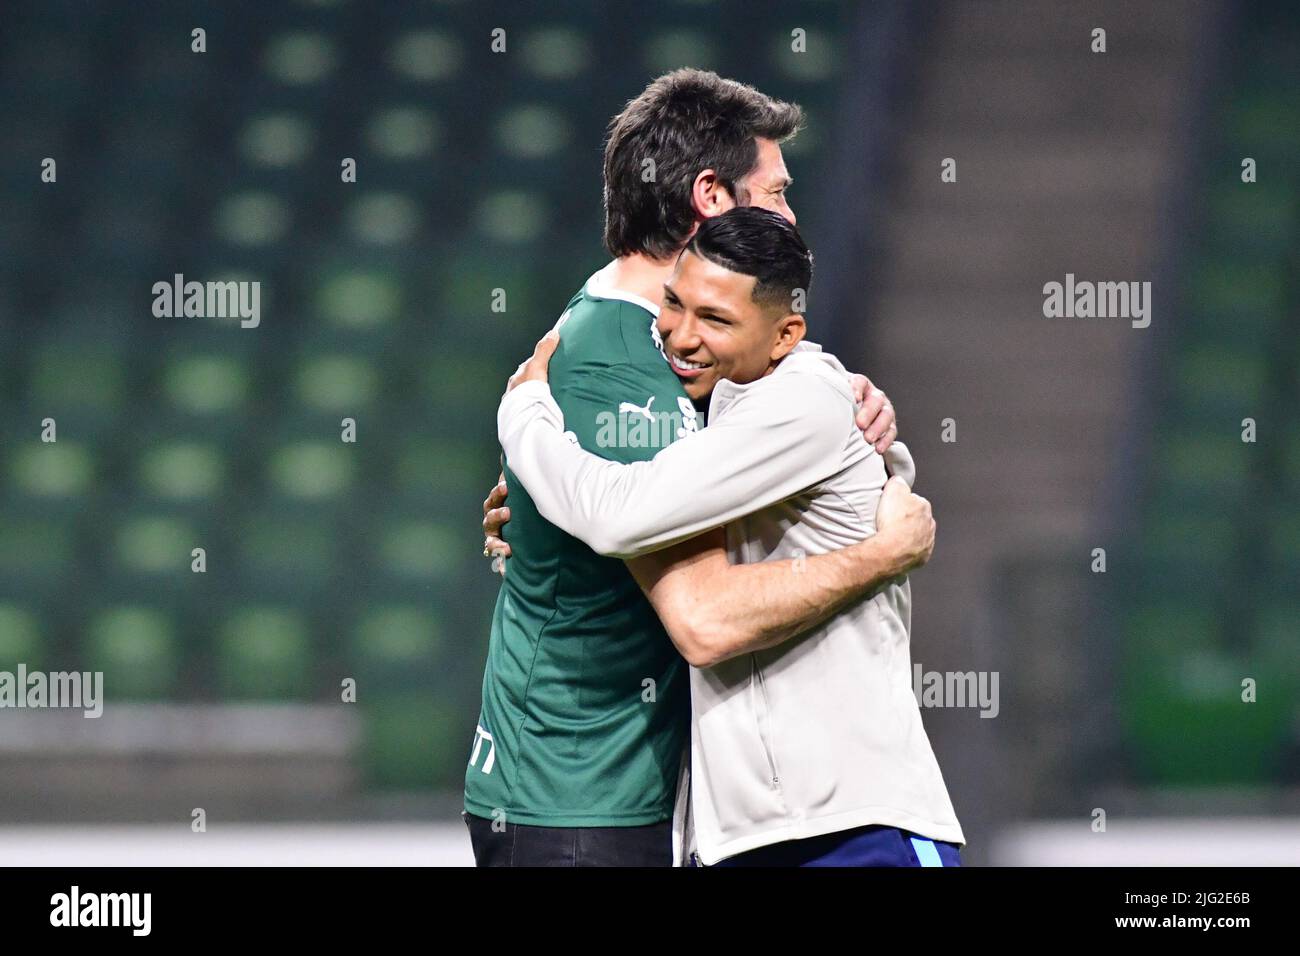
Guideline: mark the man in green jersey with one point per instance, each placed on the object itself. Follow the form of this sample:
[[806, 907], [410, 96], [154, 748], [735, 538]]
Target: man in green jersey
[[585, 712]]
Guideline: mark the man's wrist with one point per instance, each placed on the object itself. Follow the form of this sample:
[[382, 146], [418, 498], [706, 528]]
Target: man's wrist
[[894, 553], [526, 393], [519, 401]]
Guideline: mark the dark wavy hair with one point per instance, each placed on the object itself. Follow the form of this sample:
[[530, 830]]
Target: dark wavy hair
[[685, 122]]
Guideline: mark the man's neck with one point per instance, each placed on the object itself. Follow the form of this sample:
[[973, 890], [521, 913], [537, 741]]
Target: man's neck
[[641, 275]]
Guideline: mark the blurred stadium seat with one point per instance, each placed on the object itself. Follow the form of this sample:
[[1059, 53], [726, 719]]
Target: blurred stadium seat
[[324, 559], [1207, 608]]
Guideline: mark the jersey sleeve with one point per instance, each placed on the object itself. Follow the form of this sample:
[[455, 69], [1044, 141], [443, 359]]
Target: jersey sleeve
[[772, 443]]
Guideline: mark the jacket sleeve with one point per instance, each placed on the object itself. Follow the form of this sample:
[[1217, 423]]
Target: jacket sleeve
[[779, 437]]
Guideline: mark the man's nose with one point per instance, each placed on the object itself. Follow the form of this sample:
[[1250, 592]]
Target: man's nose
[[686, 336]]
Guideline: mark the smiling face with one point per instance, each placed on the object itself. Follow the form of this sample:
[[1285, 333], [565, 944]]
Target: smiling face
[[766, 186], [713, 329]]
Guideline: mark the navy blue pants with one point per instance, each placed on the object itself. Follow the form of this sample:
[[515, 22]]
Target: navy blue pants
[[863, 846]]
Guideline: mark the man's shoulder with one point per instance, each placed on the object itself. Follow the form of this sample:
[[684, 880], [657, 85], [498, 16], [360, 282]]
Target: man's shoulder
[[802, 385], [605, 332], [800, 369]]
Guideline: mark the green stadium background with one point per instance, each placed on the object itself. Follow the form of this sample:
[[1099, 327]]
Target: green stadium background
[[477, 178]]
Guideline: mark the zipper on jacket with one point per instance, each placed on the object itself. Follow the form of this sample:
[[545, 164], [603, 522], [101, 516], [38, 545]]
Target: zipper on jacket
[[764, 721]]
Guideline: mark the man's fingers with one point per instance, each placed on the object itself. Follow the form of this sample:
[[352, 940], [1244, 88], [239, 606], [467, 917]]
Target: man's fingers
[[892, 497], [493, 519], [881, 423], [868, 416], [535, 369], [496, 497], [872, 403], [884, 441], [494, 516], [547, 345], [536, 366], [861, 386], [896, 486]]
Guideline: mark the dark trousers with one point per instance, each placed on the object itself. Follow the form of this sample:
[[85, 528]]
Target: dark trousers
[[518, 844]]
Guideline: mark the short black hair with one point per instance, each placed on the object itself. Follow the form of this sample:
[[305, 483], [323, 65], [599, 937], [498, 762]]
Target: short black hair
[[684, 122], [757, 242]]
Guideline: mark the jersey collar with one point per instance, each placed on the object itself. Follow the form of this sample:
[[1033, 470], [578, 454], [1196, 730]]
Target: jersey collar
[[598, 287]]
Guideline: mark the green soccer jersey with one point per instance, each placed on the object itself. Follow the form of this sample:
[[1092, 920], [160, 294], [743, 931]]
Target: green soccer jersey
[[586, 703]]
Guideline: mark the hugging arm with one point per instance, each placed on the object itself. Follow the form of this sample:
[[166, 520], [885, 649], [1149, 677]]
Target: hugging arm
[[768, 447], [874, 417], [714, 610]]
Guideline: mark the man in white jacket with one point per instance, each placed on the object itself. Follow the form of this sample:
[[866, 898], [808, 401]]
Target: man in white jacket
[[808, 750]]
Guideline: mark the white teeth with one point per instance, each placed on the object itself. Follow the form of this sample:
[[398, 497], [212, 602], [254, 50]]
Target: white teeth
[[683, 364]]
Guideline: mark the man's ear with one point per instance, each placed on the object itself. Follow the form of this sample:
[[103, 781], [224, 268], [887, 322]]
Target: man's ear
[[709, 197], [789, 333]]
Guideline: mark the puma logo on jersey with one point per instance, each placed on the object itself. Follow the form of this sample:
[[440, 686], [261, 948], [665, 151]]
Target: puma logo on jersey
[[636, 426], [629, 408]]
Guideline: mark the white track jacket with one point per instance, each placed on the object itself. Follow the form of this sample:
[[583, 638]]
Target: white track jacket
[[822, 733]]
